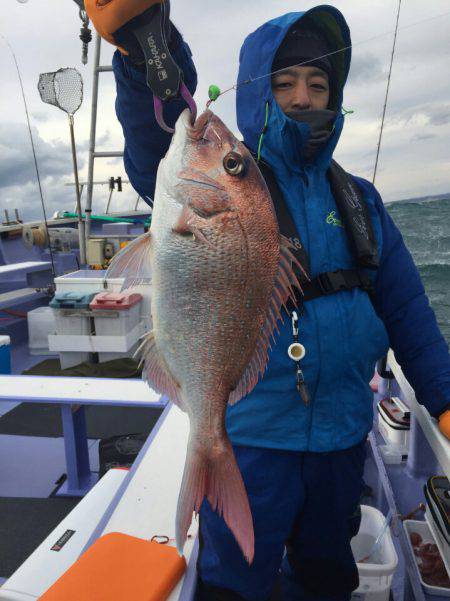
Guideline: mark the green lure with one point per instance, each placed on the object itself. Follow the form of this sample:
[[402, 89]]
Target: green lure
[[214, 92]]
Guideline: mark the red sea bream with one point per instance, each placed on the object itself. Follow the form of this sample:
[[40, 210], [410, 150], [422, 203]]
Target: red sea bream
[[221, 273]]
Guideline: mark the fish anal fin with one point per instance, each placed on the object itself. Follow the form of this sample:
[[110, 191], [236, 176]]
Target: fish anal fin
[[155, 371], [283, 290], [132, 263]]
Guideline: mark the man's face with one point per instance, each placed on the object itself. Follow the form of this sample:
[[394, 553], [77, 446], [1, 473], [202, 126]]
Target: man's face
[[301, 88]]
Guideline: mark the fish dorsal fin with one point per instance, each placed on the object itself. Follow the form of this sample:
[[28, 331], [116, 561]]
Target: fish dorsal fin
[[283, 290], [155, 371], [132, 263]]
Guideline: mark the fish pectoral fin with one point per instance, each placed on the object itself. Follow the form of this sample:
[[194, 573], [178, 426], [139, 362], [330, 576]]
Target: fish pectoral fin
[[132, 263], [156, 372], [283, 290]]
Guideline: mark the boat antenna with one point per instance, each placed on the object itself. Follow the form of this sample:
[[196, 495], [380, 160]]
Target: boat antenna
[[34, 153], [387, 94]]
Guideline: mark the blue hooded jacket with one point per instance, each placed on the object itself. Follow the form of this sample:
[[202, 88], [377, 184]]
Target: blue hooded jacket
[[344, 333]]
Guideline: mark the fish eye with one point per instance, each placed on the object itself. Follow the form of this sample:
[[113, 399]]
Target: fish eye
[[233, 163]]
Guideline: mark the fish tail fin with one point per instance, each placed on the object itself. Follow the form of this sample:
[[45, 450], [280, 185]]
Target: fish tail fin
[[213, 473]]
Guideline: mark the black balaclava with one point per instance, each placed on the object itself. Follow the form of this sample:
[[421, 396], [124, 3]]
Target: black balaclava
[[305, 43]]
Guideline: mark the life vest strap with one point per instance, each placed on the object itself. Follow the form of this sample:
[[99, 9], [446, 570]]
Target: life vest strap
[[331, 282]]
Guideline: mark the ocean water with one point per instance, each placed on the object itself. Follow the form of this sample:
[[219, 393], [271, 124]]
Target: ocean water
[[425, 226]]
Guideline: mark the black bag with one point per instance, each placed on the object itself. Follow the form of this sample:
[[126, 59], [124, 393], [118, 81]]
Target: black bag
[[119, 451]]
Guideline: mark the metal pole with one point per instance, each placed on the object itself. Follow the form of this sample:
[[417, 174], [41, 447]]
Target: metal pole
[[109, 201], [90, 185], [81, 186], [137, 202], [81, 233]]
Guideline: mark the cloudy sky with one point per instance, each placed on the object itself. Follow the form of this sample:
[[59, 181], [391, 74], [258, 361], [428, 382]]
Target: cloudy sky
[[415, 156]]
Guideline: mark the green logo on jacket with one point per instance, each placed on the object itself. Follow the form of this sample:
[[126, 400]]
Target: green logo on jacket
[[333, 220]]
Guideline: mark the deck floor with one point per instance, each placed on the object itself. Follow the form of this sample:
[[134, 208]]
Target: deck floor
[[31, 465]]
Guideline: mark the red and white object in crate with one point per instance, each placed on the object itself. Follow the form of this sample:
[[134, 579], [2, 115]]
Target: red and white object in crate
[[117, 313]]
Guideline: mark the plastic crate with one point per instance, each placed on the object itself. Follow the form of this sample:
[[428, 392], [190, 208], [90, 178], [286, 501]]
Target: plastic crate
[[375, 574], [423, 529]]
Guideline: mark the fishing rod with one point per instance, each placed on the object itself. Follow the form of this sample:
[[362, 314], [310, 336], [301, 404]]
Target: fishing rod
[[387, 94], [33, 149]]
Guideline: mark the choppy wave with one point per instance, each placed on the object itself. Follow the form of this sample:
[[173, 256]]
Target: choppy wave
[[425, 226]]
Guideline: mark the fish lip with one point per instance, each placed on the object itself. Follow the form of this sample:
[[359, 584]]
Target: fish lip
[[197, 130]]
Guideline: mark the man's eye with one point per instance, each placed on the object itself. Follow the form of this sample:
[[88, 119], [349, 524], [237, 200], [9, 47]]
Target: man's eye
[[282, 85], [319, 87]]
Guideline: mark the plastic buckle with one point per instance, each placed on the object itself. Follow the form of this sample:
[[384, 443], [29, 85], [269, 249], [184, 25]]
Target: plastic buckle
[[331, 281]]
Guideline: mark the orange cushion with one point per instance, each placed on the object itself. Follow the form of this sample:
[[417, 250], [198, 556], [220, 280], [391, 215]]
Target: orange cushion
[[118, 567]]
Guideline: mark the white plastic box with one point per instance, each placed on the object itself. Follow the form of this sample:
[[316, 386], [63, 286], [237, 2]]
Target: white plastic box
[[423, 529], [69, 308], [41, 323], [124, 309], [87, 282], [117, 314], [92, 281], [375, 574], [394, 421]]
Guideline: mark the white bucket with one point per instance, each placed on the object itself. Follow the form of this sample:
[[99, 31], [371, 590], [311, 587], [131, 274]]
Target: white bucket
[[375, 574]]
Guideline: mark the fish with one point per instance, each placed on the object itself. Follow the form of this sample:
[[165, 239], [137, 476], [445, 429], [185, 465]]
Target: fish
[[221, 275]]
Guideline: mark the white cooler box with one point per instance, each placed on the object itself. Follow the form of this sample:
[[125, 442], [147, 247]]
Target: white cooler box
[[68, 309], [117, 314]]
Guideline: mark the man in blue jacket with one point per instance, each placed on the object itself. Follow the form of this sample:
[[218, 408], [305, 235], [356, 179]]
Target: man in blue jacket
[[302, 462]]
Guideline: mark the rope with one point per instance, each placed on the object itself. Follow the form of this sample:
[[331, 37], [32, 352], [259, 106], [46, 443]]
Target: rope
[[387, 94]]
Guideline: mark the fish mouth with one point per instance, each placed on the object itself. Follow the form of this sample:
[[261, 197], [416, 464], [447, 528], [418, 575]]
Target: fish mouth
[[197, 130]]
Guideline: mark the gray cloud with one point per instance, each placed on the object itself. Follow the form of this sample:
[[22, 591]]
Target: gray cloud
[[16, 160], [40, 116], [421, 137], [366, 67], [439, 115]]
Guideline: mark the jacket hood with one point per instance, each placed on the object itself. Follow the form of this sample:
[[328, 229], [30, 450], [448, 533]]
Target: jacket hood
[[256, 108]]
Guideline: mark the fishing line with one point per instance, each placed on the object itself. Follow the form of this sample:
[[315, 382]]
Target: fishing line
[[34, 152], [215, 93]]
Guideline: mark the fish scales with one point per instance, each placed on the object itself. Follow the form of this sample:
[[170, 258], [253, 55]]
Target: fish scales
[[221, 273]]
